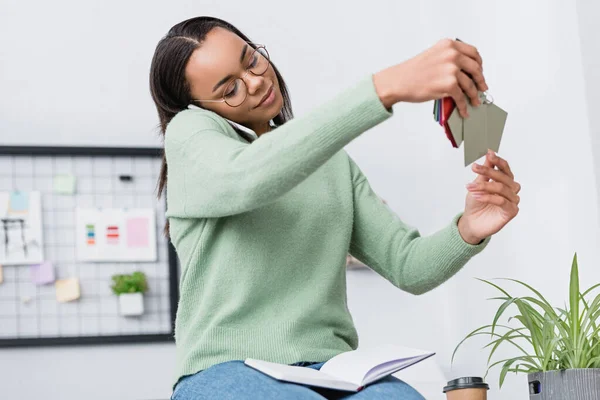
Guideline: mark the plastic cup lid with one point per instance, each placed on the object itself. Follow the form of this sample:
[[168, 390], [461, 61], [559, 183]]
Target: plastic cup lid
[[467, 382]]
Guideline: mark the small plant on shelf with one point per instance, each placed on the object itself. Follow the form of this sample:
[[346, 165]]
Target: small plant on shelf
[[130, 288]]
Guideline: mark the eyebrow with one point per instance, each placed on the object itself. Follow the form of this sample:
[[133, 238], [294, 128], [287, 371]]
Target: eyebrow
[[228, 77]]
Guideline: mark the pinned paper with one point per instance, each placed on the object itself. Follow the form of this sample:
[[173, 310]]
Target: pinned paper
[[115, 234], [137, 232], [4, 204], [42, 273], [64, 184], [67, 290], [19, 202], [21, 234]]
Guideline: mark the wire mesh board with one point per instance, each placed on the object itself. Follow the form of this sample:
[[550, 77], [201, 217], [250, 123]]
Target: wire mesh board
[[49, 293]]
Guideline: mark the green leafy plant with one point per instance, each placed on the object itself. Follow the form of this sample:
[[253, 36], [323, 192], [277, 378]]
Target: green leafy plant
[[129, 283], [545, 337]]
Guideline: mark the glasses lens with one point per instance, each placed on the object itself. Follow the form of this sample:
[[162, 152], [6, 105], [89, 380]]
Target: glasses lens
[[259, 62], [235, 93]]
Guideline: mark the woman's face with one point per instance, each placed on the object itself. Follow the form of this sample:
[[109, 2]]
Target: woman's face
[[216, 64]]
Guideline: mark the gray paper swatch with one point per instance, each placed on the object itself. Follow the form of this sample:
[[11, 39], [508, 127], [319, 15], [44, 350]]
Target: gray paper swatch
[[455, 123], [481, 131], [496, 119], [474, 133]]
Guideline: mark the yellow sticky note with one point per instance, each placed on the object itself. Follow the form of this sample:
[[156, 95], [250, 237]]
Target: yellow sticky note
[[64, 184], [1, 275], [67, 290]]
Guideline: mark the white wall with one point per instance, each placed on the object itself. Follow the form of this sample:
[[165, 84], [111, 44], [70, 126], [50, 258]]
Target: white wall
[[76, 73], [588, 12]]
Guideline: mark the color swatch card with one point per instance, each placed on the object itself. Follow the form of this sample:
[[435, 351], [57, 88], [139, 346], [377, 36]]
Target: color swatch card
[[116, 234], [481, 131], [443, 108]]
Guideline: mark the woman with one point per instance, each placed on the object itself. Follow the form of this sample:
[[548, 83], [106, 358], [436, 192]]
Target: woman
[[262, 222]]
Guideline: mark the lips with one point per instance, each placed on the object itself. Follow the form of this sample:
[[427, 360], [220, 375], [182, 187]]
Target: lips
[[265, 96]]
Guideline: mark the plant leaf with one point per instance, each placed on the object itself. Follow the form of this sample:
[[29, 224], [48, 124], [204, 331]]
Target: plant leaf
[[507, 338], [496, 286], [500, 311], [590, 289], [574, 303], [476, 332]]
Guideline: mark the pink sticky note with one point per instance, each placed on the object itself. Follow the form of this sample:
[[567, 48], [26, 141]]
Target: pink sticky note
[[42, 273], [137, 232]]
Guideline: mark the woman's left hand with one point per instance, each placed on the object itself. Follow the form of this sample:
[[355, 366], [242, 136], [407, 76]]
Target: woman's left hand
[[492, 200]]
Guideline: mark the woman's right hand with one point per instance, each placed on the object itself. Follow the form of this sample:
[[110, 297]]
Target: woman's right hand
[[438, 72]]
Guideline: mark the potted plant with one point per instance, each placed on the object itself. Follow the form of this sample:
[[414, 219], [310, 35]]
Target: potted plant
[[130, 289], [559, 348]]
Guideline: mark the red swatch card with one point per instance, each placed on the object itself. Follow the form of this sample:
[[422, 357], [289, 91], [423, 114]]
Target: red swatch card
[[447, 107]]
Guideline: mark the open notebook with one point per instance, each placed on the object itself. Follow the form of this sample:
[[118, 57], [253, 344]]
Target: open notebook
[[349, 371]]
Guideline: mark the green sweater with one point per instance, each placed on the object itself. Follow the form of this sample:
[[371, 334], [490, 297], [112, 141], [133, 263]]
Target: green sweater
[[262, 231]]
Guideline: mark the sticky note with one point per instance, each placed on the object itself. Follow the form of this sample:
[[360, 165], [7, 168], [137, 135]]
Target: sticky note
[[19, 202], [42, 273], [137, 232], [64, 184], [67, 290]]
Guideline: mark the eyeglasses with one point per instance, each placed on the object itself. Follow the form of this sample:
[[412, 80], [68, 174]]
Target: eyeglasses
[[235, 92]]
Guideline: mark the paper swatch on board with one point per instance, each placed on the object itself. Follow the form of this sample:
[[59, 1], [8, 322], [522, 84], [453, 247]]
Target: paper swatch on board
[[137, 232], [19, 202], [64, 184], [42, 273], [90, 234], [21, 235], [67, 290], [116, 234], [112, 234]]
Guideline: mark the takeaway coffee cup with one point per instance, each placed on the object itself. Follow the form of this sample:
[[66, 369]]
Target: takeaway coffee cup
[[467, 388]]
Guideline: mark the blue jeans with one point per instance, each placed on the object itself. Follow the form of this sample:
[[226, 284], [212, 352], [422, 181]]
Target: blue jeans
[[235, 380]]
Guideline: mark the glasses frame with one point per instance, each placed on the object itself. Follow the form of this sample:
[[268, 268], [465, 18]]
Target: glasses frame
[[222, 100]]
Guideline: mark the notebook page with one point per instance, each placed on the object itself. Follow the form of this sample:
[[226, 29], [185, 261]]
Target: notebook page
[[301, 375], [391, 367], [353, 366]]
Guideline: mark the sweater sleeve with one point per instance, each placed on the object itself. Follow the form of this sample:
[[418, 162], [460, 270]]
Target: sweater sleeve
[[212, 174], [397, 251]]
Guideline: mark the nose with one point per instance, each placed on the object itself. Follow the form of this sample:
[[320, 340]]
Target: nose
[[254, 83]]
